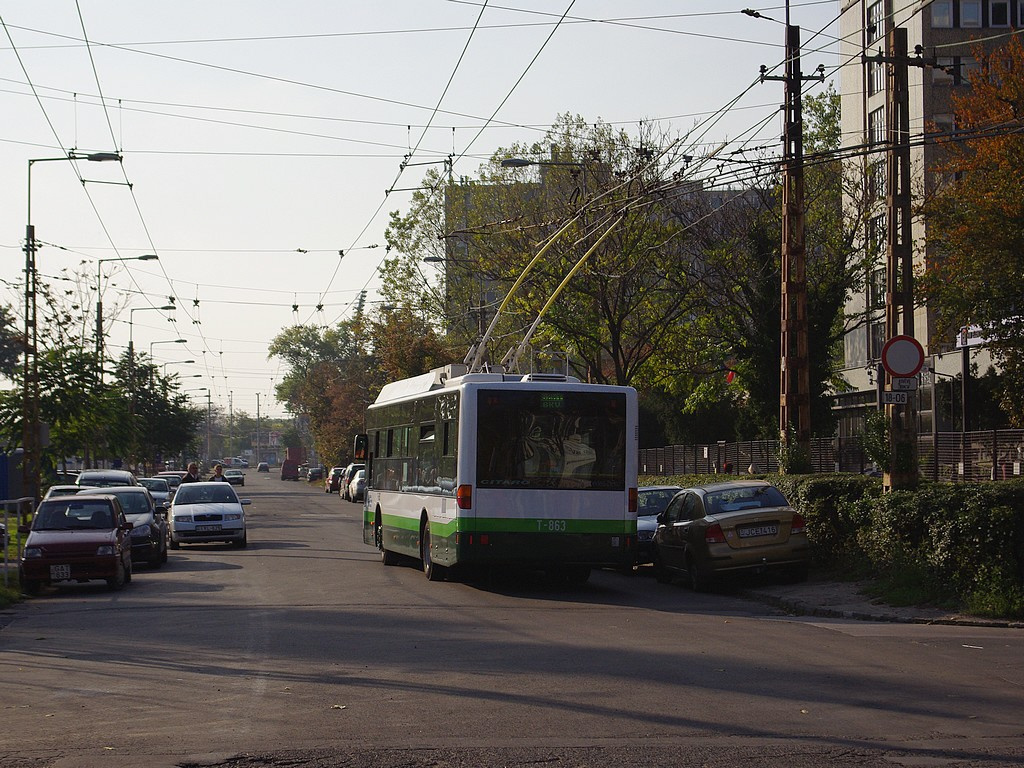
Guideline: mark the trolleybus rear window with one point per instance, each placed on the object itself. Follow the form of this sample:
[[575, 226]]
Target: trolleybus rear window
[[551, 439]]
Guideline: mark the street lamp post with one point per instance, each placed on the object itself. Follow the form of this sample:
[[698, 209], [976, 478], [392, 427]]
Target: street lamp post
[[30, 383], [208, 412], [176, 362], [99, 303], [164, 341], [131, 324]]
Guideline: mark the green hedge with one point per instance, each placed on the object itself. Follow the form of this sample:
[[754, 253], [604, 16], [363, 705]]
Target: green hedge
[[967, 540]]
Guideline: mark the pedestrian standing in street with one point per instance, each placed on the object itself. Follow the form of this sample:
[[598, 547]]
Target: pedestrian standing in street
[[192, 475], [218, 474]]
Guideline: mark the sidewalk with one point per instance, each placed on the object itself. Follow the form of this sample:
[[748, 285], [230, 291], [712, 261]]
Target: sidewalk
[[844, 600]]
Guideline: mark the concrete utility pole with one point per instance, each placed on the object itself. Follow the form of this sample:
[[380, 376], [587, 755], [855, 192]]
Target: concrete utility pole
[[794, 379]]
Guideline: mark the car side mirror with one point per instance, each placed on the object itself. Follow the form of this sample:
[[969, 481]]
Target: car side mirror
[[661, 518], [245, 502], [127, 526]]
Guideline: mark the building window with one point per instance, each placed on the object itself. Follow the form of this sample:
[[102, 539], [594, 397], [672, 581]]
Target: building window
[[877, 179], [970, 68], [876, 126], [942, 72], [942, 14], [876, 289], [876, 340], [877, 234], [970, 13], [876, 77], [876, 21], [999, 13]]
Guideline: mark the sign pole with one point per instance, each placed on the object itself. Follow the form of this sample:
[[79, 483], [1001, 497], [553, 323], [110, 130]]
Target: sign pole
[[902, 358]]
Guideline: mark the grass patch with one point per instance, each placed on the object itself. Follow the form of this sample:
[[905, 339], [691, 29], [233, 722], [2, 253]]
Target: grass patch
[[912, 585], [10, 594]]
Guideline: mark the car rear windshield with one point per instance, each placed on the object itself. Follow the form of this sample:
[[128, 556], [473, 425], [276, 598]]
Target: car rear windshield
[[654, 502], [750, 497], [66, 516]]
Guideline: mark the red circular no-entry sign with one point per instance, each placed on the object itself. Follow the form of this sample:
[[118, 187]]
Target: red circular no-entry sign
[[902, 356]]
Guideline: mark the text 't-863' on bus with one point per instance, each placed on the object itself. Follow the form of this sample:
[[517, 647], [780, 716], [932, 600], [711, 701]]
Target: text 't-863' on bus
[[501, 469]]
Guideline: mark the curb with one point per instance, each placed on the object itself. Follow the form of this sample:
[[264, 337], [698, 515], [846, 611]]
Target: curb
[[800, 608]]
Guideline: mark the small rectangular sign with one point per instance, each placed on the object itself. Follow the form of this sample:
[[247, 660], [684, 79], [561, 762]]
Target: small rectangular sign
[[901, 384], [895, 398]]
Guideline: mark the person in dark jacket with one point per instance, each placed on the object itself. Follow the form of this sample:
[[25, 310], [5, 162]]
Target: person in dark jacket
[[192, 475], [218, 474]]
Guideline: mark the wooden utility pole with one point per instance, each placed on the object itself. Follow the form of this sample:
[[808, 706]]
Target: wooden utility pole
[[899, 268], [794, 379]]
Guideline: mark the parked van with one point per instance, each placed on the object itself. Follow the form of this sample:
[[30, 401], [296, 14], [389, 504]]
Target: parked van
[[290, 470]]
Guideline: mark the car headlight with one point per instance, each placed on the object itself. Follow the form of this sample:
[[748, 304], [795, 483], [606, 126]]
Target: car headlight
[[31, 552], [232, 516], [106, 549], [182, 519], [141, 531]]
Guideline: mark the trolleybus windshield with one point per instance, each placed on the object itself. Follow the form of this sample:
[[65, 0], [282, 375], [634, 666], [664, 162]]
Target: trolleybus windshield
[[551, 439]]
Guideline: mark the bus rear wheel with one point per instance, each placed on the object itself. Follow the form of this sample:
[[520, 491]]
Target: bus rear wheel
[[431, 570]]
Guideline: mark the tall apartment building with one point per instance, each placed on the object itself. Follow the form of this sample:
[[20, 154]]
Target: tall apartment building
[[946, 31]]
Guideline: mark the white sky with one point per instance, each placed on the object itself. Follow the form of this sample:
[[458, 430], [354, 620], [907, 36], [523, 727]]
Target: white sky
[[259, 138]]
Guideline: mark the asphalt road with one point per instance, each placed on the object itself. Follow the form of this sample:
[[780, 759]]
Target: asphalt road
[[303, 650]]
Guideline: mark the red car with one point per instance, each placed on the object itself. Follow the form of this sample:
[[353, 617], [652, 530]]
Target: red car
[[77, 538]]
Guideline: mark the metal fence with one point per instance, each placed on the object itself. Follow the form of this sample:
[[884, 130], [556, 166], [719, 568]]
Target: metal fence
[[945, 457]]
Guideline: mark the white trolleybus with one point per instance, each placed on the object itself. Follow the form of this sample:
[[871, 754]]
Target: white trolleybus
[[498, 469]]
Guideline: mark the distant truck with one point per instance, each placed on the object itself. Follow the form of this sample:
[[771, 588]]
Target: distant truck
[[290, 470]]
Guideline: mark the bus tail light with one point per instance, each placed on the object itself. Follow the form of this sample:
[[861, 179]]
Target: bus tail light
[[464, 496], [632, 502]]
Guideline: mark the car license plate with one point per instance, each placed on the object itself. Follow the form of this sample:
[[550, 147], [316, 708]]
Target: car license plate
[[758, 530], [207, 528], [60, 571]]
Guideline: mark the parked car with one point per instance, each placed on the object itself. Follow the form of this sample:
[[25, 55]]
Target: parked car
[[290, 470], [105, 478], [149, 522], [205, 512], [346, 479], [235, 476], [158, 488], [173, 477], [651, 500], [77, 538], [263, 467], [235, 461], [357, 488], [725, 528], [61, 490], [332, 482], [314, 474]]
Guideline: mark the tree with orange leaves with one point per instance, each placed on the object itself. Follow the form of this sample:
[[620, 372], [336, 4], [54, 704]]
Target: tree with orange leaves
[[976, 219]]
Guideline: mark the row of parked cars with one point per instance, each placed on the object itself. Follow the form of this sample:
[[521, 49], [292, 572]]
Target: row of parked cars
[[109, 520], [348, 482], [704, 533]]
